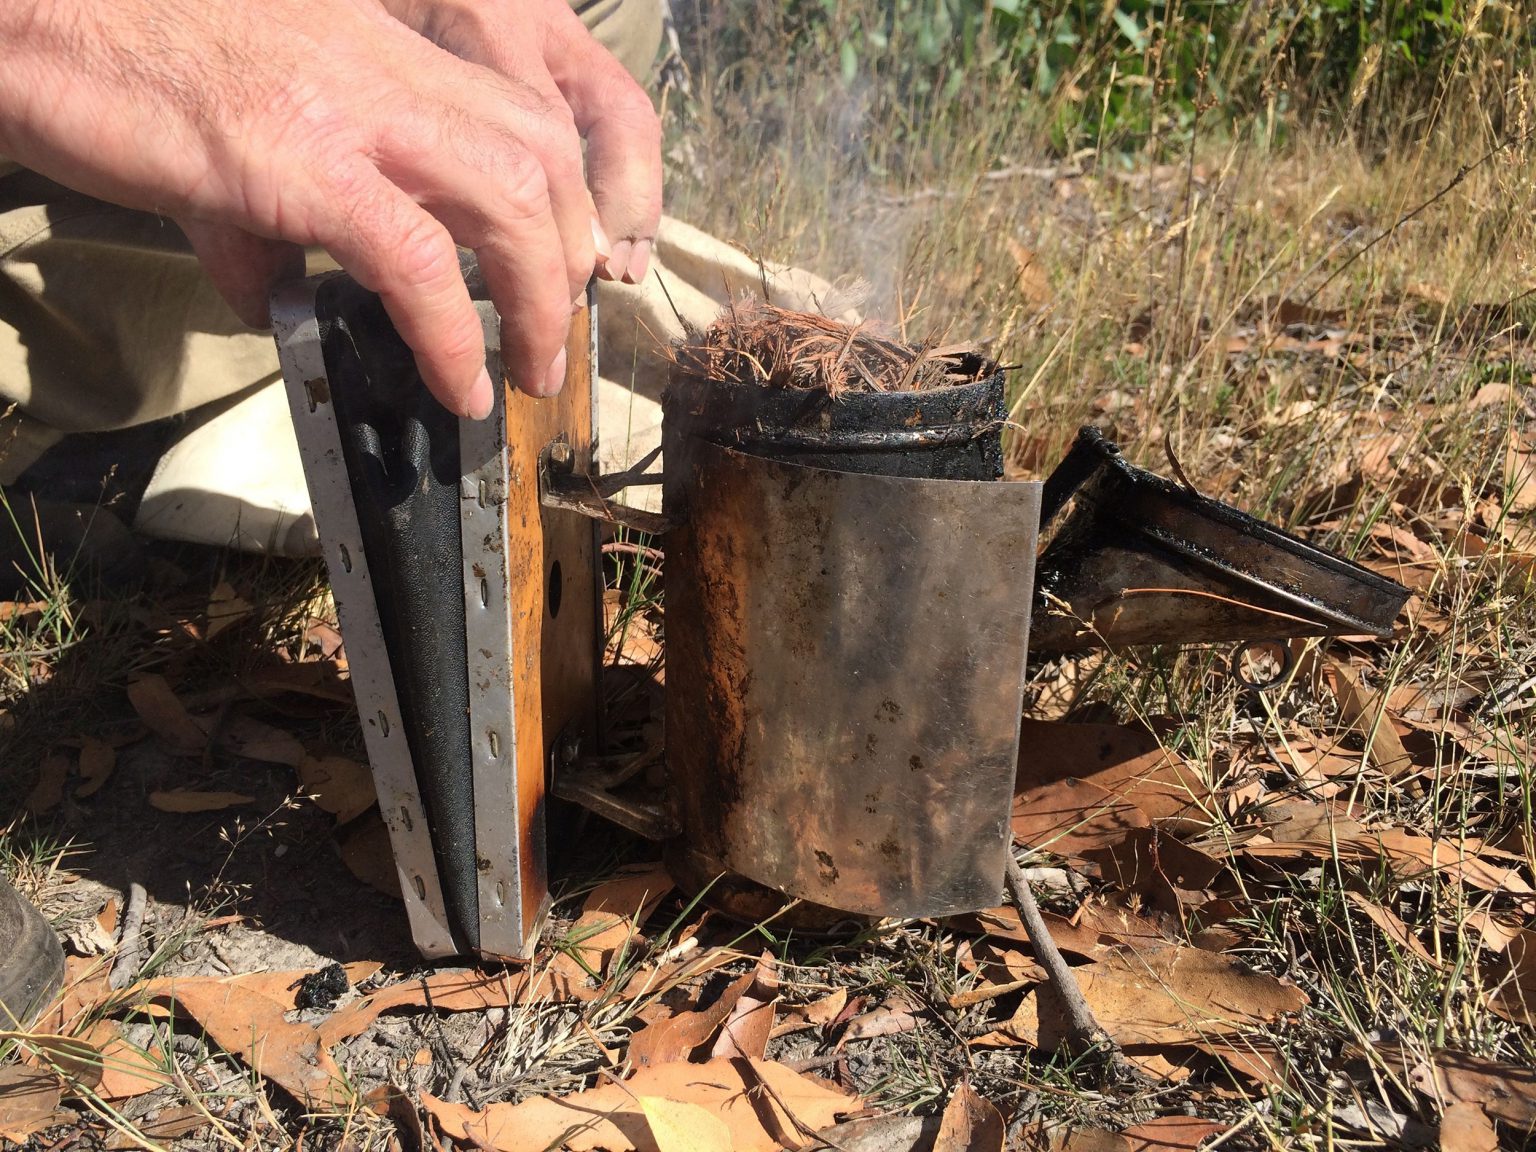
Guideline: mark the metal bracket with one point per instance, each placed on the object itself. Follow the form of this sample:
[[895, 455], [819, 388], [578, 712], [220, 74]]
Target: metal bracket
[[590, 781], [561, 486]]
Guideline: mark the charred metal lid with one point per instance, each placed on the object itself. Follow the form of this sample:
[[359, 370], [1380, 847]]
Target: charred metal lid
[[1133, 558]]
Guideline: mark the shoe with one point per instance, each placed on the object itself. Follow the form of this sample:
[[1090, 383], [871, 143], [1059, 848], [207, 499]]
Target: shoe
[[31, 960]]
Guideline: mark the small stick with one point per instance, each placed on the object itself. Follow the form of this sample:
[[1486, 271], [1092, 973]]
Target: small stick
[[1083, 1032], [131, 945]]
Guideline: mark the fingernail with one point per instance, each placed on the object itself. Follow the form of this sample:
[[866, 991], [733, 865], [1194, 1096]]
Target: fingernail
[[618, 261], [600, 241], [554, 379], [639, 262], [482, 398]]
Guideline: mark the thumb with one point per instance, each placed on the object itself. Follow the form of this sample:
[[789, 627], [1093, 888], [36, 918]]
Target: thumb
[[243, 267]]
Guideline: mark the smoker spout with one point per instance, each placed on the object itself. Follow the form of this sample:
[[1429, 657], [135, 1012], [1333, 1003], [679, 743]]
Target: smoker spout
[[1133, 558]]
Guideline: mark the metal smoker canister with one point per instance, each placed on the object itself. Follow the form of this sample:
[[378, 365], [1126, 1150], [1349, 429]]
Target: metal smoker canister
[[848, 600]]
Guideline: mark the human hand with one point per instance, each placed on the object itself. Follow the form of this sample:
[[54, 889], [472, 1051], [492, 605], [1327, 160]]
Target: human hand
[[383, 131]]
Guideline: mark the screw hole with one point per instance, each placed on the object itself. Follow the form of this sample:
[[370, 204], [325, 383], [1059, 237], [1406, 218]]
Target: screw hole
[[383, 723], [346, 558], [495, 743]]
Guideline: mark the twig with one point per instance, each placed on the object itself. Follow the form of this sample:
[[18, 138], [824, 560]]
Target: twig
[[130, 946], [1083, 1034]]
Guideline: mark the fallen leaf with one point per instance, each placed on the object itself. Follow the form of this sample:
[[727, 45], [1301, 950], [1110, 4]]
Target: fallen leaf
[[1068, 817], [671, 1040], [1171, 1132], [226, 607], [1004, 922], [322, 636], [746, 1030], [678, 1126], [969, 1123], [1087, 1140], [1505, 1092], [889, 1019], [1150, 863], [1365, 710], [1033, 283], [253, 740], [181, 800], [610, 1117], [610, 917], [15, 611], [1465, 1127], [165, 715], [251, 1027], [1167, 996], [122, 1071], [1519, 481], [29, 1102], [97, 759], [168, 1124], [389, 1101], [1412, 854], [1515, 997], [338, 785], [1391, 927], [466, 991], [891, 1133], [49, 789], [106, 919], [816, 1014], [366, 851], [1123, 759]]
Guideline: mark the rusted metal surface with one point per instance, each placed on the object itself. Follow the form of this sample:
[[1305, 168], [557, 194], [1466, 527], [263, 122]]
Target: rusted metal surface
[[1133, 558], [845, 660]]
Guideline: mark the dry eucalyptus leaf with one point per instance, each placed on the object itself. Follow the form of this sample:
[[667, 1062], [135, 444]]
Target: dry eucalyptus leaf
[[167, 1125], [1365, 710], [226, 607], [253, 740], [1465, 1127], [671, 1040], [970, 1124], [746, 1030], [1504, 1091], [816, 1014], [165, 715], [678, 1126], [338, 784], [611, 1118], [1171, 1134], [610, 917], [181, 800], [49, 789], [97, 759], [252, 1028], [1167, 996], [29, 1102]]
